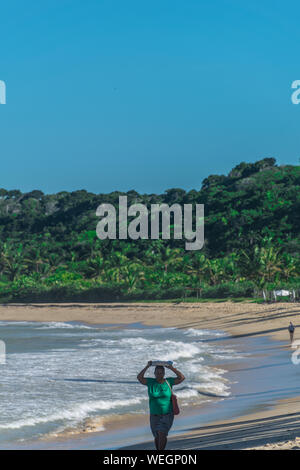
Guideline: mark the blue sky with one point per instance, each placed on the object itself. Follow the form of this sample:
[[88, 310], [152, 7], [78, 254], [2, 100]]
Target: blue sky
[[108, 95]]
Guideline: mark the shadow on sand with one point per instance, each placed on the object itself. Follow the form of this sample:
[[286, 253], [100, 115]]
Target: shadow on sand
[[240, 435]]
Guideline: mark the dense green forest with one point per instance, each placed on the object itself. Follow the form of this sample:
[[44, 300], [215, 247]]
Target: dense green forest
[[49, 249]]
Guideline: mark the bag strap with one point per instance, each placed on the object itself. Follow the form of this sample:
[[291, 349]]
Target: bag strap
[[169, 387]]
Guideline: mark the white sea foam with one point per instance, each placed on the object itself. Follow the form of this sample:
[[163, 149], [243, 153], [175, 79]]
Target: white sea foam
[[196, 332], [61, 325], [136, 341], [180, 350], [75, 414], [42, 325], [217, 389], [71, 372], [190, 393]]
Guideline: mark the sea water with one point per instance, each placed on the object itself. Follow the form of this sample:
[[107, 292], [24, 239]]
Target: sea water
[[58, 374]]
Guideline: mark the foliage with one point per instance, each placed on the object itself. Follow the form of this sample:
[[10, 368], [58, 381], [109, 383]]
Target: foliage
[[49, 249]]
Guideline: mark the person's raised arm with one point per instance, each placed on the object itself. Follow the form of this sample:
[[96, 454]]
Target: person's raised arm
[[180, 377], [141, 377]]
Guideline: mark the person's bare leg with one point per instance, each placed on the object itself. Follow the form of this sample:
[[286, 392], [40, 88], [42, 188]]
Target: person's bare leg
[[156, 443], [162, 440]]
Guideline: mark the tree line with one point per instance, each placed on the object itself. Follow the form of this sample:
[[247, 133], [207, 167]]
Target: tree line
[[49, 249]]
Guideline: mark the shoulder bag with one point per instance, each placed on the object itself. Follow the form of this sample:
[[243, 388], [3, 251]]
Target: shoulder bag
[[174, 401]]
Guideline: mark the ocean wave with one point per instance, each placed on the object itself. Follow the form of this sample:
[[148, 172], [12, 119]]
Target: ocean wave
[[62, 325], [74, 414], [196, 332], [181, 350], [170, 350], [136, 341], [189, 393], [220, 390], [61, 378]]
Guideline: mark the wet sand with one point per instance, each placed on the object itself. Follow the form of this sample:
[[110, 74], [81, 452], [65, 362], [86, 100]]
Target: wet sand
[[275, 429], [272, 424], [238, 319]]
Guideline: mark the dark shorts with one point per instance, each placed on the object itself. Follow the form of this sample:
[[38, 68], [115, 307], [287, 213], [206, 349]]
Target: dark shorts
[[161, 423]]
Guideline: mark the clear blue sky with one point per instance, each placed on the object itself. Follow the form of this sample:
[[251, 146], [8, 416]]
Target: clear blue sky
[[108, 95]]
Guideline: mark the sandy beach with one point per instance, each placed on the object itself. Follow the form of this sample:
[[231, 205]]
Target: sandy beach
[[275, 428], [238, 319]]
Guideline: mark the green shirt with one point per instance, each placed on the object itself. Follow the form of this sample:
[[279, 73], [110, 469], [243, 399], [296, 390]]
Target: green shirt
[[160, 402]]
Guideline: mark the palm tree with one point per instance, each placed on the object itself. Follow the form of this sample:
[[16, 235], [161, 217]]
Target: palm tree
[[215, 270], [11, 261], [95, 266], [115, 262], [35, 259], [289, 267], [270, 263], [171, 257], [231, 267], [132, 274], [263, 265], [198, 267]]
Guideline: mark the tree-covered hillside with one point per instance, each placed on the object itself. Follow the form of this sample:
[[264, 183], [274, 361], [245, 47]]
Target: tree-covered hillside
[[49, 249]]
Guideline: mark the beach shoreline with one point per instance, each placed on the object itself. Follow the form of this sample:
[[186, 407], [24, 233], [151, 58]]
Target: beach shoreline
[[238, 319], [273, 429], [243, 320], [132, 429]]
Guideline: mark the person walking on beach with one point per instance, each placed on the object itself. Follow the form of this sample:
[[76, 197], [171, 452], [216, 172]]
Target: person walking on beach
[[291, 329], [160, 403]]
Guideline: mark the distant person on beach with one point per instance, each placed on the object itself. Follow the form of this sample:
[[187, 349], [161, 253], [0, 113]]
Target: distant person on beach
[[291, 331], [160, 403]]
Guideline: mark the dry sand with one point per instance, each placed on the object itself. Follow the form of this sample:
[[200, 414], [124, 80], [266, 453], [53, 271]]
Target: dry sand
[[278, 428], [238, 319]]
